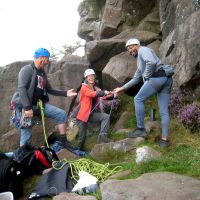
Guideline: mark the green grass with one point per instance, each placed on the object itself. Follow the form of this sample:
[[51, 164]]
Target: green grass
[[28, 185], [183, 155], [182, 160], [117, 136]]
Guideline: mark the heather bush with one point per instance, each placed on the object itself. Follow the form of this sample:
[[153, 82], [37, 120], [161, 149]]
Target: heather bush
[[176, 102], [190, 116]]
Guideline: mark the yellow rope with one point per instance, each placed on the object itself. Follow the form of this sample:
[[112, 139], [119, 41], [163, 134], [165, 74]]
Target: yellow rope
[[43, 121], [100, 171]]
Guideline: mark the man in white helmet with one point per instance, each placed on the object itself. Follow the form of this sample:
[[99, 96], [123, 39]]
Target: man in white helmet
[[150, 69], [88, 110]]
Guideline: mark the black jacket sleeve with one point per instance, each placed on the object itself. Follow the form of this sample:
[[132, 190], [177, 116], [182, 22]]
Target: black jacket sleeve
[[54, 92]]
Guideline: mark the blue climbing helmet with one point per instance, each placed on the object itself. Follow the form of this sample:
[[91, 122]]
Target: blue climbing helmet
[[41, 52]]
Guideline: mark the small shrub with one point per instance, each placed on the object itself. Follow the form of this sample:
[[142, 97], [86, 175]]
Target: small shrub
[[190, 116], [176, 102]]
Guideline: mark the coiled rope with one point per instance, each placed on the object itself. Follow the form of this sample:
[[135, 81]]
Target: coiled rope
[[100, 171]]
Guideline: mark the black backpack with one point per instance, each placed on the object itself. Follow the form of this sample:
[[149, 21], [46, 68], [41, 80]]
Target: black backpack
[[34, 160], [11, 176]]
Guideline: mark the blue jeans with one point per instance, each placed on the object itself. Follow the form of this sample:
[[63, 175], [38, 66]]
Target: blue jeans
[[162, 87], [50, 111]]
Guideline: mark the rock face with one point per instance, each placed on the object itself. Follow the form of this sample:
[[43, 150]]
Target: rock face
[[181, 48], [123, 146], [152, 186], [73, 196], [171, 28], [172, 25], [64, 75]]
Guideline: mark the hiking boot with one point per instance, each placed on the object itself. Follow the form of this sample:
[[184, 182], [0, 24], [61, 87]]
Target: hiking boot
[[138, 132], [103, 139], [65, 143], [163, 143]]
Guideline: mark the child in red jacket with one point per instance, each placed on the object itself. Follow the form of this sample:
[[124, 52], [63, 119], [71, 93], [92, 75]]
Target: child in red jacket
[[88, 110]]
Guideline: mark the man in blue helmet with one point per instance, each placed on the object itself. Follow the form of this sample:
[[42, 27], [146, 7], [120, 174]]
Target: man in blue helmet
[[33, 86]]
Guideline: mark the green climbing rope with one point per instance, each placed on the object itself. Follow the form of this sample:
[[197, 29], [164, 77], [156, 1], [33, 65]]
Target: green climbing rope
[[43, 121], [100, 171]]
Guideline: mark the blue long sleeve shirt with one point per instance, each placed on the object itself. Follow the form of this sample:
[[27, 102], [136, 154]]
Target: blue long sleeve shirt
[[147, 64]]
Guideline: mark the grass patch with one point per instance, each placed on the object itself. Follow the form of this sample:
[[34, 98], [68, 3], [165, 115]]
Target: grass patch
[[97, 195], [114, 157], [181, 157], [90, 142], [118, 136], [181, 160], [28, 185], [127, 104]]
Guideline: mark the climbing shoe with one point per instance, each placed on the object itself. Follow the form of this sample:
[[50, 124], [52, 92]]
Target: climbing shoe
[[163, 143], [65, 143], [138, 132]]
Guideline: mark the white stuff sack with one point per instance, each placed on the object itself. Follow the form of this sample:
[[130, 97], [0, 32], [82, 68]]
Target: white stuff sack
[[86, 183]]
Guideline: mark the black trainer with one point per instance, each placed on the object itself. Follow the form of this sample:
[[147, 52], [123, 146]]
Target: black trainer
[[163, 143], [65, 143], [138, 132]]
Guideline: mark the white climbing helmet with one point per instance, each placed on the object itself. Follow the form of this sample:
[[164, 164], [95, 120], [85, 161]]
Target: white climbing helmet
[[88, 72], [132, 41]]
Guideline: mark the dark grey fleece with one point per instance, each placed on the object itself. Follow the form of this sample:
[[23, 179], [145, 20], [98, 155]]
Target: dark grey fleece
[[26, 84]]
